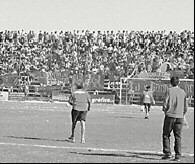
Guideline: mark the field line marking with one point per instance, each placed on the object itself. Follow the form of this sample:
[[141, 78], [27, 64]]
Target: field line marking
[[87, 148]]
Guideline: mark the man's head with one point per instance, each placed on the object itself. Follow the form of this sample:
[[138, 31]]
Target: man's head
[[79, 84], [174, 81], [147, 87]]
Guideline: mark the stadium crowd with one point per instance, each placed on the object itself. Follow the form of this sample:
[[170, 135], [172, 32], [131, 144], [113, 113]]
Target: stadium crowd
[[122, 53]]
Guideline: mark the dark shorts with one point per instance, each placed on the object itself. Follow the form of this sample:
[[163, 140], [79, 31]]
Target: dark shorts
[[147, 105], [78, 115]]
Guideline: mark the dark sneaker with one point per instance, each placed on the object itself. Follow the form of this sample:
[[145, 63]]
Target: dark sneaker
[[71, 139], [166, 157], [82, 141], [146, 117]]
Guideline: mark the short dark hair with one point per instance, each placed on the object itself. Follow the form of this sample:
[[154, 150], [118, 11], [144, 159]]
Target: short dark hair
[[147, 87], [79, 84], [174, 81]]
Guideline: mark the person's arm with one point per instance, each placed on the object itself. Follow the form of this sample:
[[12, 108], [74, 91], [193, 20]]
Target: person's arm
[[166, 101], [89, 101], [185, 105], [71, 99], [89, 106]]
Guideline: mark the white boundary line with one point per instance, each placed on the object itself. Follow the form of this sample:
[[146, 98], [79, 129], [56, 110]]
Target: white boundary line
[[89, 149]]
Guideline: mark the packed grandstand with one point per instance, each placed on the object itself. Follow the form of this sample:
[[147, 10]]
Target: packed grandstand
[[83, 52]]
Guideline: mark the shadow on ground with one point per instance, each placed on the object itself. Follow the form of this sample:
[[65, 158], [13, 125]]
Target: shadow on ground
[[128, 154], [37, 138], [124, 117], [137, 155]]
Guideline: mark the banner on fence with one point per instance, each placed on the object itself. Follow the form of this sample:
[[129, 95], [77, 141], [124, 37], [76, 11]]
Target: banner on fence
[[39, 76], [178, 73], [159, 87], [58, 77], [162, 75], [45, 90], [9, 79], [92, 81], [37, 97], [159, 75]]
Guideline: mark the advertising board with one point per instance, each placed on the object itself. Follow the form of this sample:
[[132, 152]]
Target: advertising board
[[102, 99], [60, 96], [16, 96]]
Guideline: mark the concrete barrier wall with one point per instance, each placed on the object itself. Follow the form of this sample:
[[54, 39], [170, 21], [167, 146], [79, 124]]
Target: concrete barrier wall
[[3, 96]]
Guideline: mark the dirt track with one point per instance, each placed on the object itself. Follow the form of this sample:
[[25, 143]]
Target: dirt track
[[38, 132]]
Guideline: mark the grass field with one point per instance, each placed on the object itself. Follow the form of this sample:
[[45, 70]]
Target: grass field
[[37, 132]]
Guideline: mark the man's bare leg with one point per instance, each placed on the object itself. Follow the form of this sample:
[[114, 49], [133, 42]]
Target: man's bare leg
[[73, 131], [147, 113], [82, 131]]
